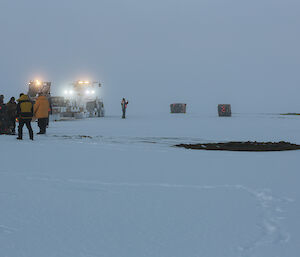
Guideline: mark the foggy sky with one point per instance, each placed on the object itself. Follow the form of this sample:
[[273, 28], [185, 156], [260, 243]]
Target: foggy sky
[[201, 52]]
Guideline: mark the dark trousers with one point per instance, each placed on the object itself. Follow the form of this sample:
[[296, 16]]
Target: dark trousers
[[124, 113], [26, 122], [12, 123], [2, 126], [42, 123]]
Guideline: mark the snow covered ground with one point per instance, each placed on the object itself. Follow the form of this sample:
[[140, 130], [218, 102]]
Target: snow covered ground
[[117, 188]]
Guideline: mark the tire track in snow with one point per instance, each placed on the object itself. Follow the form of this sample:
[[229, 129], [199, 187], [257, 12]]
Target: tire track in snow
[[7, 230], [270, 217], [169, 141], [270, 207]]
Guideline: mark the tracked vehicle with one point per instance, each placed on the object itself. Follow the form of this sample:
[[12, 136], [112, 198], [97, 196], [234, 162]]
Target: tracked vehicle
[[83, 100], [80, 100], [36, 87]]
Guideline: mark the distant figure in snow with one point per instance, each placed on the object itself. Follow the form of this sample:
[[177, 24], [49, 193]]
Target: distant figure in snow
[[50, 108], [41, 112], [12, 114], [25, 114], [124, 107]]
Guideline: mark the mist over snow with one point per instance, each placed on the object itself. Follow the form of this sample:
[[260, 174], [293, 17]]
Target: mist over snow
[[118, 187], [200, 52]]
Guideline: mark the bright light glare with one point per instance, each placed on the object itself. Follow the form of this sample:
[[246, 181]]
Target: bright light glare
[[80, 82], [86, 82], [38, 83], [87, 92], [68, 92], [93, 92]]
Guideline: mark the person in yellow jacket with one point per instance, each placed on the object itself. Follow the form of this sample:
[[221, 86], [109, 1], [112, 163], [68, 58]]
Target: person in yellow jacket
[[24, 114], [41, 112]]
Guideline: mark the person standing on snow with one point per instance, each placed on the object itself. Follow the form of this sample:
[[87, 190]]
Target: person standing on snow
[[124, 107], [12, 114], [41, 112], [25, 114], [3, 116], [50, 108]]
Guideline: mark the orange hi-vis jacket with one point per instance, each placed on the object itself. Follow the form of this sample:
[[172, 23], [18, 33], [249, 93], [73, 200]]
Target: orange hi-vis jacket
[[41, 107]]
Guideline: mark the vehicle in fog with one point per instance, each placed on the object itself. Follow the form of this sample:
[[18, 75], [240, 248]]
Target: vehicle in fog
[[80, 100], [83, 99]]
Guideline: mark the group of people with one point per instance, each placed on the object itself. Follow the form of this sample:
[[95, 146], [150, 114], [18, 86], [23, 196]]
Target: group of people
[[24, 111], [7, 116]]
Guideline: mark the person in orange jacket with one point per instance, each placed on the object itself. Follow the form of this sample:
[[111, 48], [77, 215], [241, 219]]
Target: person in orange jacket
[[41, 112]]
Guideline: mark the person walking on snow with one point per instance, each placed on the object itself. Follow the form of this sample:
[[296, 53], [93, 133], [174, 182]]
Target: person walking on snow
[[41, 112], [124, 104], [25, 114]]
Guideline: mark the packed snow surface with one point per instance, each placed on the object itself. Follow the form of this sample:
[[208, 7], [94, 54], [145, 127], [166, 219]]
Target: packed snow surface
[[117, 188]]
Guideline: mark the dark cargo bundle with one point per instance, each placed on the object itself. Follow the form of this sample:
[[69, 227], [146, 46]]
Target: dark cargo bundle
[[224, 110], [178, 108]]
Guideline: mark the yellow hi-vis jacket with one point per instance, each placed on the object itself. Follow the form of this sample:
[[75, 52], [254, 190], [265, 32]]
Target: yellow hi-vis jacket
[[24, 107]]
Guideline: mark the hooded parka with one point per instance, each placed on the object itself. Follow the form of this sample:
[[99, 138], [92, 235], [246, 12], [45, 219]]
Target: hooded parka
[[24, 107], [41, 107], [11, 108]]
